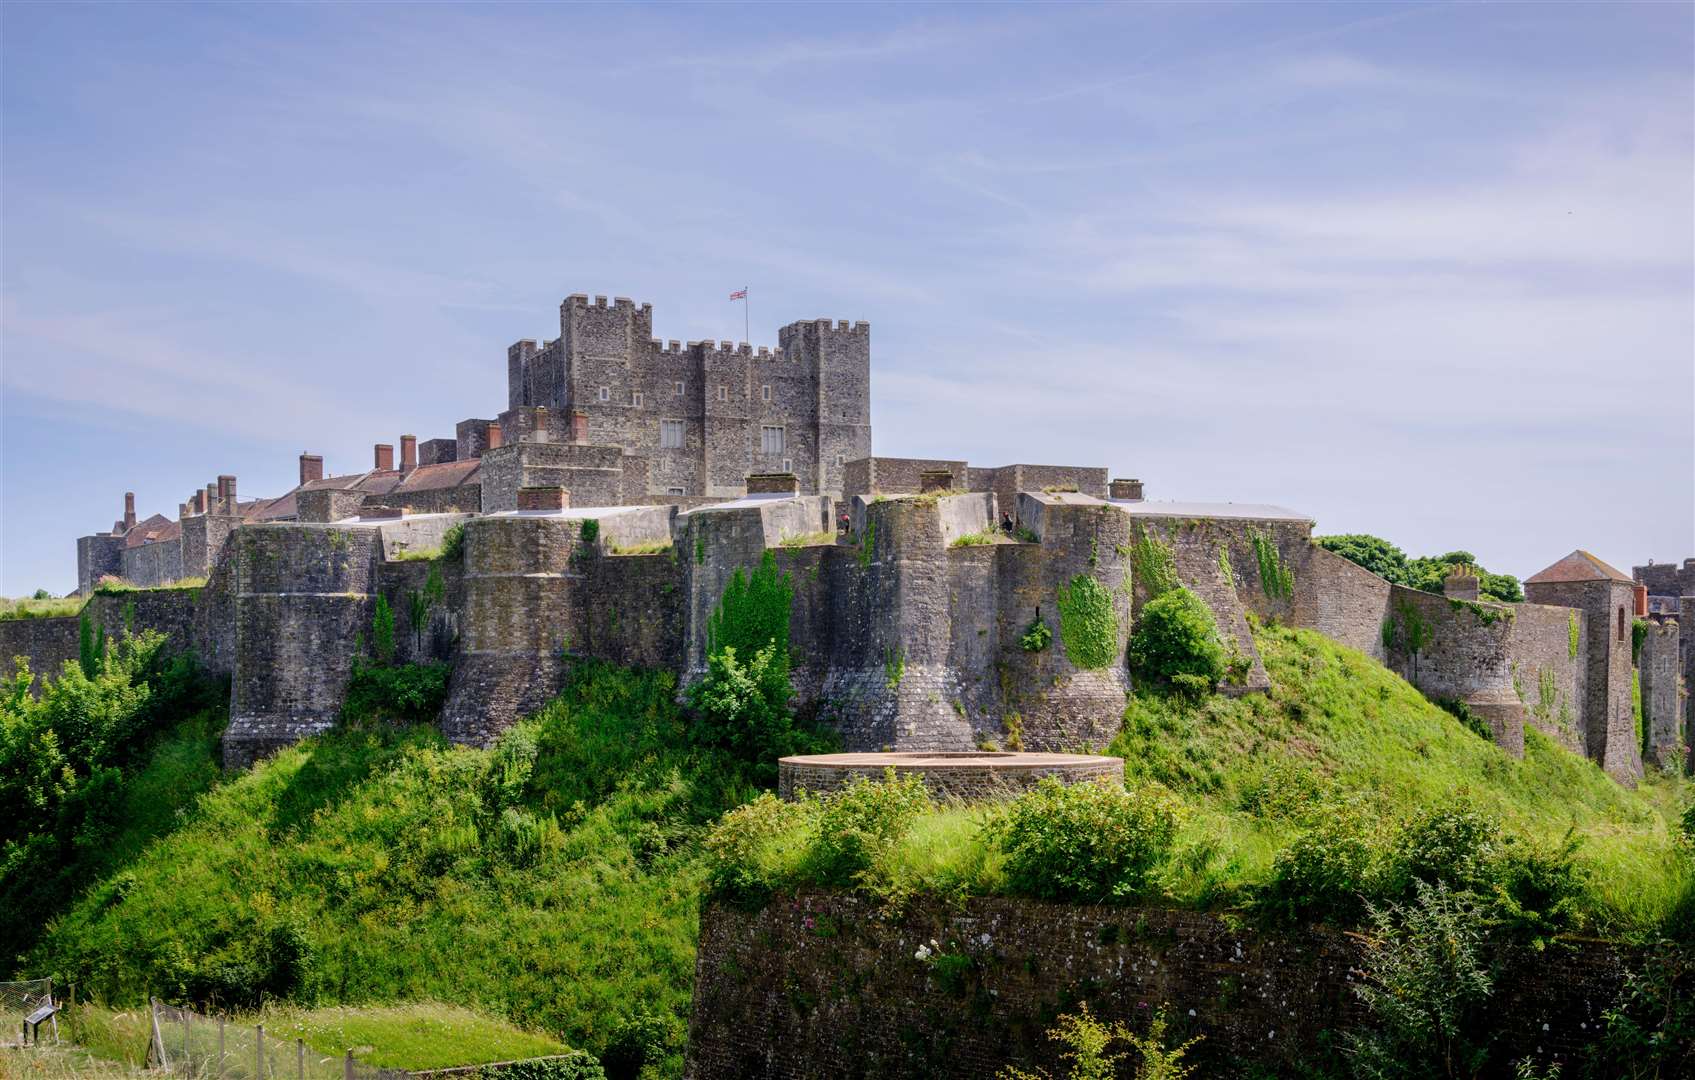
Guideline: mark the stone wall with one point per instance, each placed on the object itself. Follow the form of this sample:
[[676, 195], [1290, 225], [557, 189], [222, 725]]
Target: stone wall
[[98, 556], [1606, 718], [958, 777], [1662, 692], [303, 603], [899, 476], [1341, 600], [45, 644], [826, 985]]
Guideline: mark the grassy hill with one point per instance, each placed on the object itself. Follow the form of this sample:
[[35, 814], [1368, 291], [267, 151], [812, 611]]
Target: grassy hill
[[554, 881]]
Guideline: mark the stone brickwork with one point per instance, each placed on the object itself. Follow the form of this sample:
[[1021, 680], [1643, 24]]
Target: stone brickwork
[[705, 415], [900, 476], [1667, 579], [1607, 719], [977, 776], [824, 985], [1658, 669]]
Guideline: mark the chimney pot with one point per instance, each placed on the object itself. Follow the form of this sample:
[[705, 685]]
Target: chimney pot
[[383, 458]]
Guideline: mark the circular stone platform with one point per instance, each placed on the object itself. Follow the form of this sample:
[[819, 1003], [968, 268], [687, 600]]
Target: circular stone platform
[[970, 776]]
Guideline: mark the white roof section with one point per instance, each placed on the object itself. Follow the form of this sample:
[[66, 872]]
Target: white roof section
[[573, 513], [1224, 510], [748, 500]]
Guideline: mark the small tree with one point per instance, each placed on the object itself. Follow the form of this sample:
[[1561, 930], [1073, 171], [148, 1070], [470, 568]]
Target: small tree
[[744, 707]]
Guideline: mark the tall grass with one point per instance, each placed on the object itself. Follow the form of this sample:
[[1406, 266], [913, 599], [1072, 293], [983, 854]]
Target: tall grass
[[26, 608]]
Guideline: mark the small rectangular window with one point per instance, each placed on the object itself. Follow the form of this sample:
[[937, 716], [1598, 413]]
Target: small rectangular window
[[771, 440], [670, 434], [677, 388], [839, 459], [606, 393], [723, 393], [675, 491], [636, 398], [788, 466], [765, 393]]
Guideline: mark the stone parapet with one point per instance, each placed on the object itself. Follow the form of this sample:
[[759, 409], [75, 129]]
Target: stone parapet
[[973, 776]]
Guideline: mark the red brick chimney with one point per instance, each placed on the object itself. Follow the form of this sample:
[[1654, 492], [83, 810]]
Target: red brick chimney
[[1641, 601], [408, 453], [129, 510], [493, 436], [311, 467], [226, 493], [579, 427], [210, 495], [543, 498], [384, 458]]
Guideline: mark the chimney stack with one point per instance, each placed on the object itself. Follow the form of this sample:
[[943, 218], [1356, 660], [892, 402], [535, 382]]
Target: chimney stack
[[384, 458], [579, 427], [311, 467], [493, 436], [129, 510], [226, 494], [1641, 601], [543, 498], [1127, 490], [408, 453]]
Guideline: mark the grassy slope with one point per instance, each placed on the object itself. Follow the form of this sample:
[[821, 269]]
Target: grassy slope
[[558, 889], [1337, 719]]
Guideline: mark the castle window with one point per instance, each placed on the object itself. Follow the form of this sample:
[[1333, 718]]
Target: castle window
[[771, 440], [840, 459], [677, 388], [674, 491], [670, 434], [636, 398], [1622, 634], [606, 393], [723, 393], [788, 466], [765, 393]]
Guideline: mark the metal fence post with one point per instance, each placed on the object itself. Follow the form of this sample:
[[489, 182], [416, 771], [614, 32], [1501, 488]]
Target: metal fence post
[[347, 1066], [186, 1056], [220, 1073], [300, 1058], [259, 1041]]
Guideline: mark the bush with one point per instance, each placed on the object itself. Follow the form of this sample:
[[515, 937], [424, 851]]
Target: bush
[[407, 692], [754, 611], [642, 1042], [1177, 635], [860, 823], [1425, 983], [1037, 637], [744, 708], [1539, 887], [1455, 846], [1087, 842], [1330, 871], [758, 847], [571, 1065], [453, 542]]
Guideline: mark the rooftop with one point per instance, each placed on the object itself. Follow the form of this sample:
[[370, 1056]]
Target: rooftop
[[1580, 565]]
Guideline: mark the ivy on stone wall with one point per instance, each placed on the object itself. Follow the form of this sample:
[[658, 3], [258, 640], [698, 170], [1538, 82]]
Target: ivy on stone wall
[[1087, 623], [754, 611], [1406, 630], [894, 667], [868, 543], [1224, 566], [590, 531], [1638, 634], [1154, 565], [382, 631], [1571, 636], [1037, 636], [1275, 577]]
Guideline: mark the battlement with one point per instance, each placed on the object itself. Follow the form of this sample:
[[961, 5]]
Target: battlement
[[581, 300]]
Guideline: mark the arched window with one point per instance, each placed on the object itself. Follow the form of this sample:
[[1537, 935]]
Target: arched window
[[1621, 631]]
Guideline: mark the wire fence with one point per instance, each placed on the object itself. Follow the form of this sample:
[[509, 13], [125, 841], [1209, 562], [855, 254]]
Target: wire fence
[[19, 999], [187, 1043]]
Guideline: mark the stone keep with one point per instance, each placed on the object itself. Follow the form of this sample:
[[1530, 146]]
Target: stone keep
[[707, 414]]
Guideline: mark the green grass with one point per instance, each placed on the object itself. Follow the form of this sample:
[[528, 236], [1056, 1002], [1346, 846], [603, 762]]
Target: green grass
[[26, 608], [811, 539], [553, 882], [645, 547], [1251, 772], [983, 537], [417, 1036]]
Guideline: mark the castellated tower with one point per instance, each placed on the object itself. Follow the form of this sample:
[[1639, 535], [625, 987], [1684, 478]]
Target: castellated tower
[[697, 419]]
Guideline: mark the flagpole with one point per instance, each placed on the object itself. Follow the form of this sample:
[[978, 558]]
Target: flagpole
[[747, 335]]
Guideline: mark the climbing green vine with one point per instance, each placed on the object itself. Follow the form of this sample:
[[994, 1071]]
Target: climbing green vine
[[1087, 624], [1406, 630], [868, 543], [894, 667], [1571, 636], [1036, 637], [1225, 568], [1275, 577], [1154, 565], [753, 613]]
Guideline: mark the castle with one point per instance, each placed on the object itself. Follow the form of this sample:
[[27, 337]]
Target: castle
[[606, 508]]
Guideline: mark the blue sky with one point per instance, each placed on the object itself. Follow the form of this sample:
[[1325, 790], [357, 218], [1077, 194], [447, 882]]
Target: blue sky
[[1419, 270]]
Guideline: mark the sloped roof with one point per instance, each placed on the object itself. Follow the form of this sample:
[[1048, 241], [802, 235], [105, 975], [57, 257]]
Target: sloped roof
[[1580, 565], [145, 532], [444, 474]]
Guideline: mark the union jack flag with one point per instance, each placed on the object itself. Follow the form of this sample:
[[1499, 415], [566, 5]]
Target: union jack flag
[[739, 294]]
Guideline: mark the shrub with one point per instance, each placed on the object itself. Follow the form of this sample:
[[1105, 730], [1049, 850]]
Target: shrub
[[1037, 636], [754, 611], [453, 542], [758, 847], [1088, 1051], [860, 823], [408, 692], [1330, 871], [1455, 846], [589, 531], [1425, 982], [1649, 1031], [382, 632], [571, 1065], [1087, 842], [643, 1041], [1177, 635], [744, 708]]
